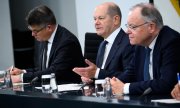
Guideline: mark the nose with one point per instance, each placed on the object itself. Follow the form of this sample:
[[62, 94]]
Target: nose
[[96, 21], [33, 34], [128, 31]]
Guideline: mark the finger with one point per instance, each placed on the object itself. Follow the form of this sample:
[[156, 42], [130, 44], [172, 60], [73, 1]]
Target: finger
[[84, 79], [175, 93], [79, 70], [89, 62], [172, 94]]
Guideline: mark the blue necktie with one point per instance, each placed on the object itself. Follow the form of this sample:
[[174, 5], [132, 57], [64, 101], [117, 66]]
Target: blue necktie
[[100, 55], [44, 55], [146, 64]]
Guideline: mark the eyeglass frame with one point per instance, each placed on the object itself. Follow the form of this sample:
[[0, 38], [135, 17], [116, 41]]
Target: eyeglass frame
[[133, 27], [37, 31]]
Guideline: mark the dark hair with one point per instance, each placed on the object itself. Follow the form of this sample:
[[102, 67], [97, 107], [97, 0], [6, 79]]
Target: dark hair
[[40, 15], [150, 13]]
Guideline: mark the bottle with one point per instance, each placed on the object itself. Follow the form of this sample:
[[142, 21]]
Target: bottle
[[53, 83], [107, 89], [7, 80]]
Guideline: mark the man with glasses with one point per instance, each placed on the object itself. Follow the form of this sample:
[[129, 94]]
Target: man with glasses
[[156, 61], [59, 49]]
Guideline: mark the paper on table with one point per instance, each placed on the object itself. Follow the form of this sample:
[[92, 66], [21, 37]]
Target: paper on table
[[69, 87], [66, 87], [17, 84], [169, 101]]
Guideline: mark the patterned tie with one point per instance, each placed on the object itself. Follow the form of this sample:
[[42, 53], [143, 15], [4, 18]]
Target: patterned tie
[[100, 55], [146, 64], [44, 55]]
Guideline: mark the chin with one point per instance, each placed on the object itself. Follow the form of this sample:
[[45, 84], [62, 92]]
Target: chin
[[99, 34], [132, 43]]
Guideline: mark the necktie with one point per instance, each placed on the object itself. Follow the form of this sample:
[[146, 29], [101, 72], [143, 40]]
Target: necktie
[[44, 55], [146, 64], [100, 55]]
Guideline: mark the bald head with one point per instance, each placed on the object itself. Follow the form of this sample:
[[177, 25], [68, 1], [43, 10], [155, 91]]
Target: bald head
[[111, 9]]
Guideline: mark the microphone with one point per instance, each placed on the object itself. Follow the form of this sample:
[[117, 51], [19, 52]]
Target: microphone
[[144, 97], [34, 80], [82, 88], [83, 85], [146, 92]]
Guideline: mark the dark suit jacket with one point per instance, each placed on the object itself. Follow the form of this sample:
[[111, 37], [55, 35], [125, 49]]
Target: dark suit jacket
[[65, 54], [119, 56], [166, 64]]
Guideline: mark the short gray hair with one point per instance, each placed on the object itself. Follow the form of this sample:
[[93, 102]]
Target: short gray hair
[[150, 13]]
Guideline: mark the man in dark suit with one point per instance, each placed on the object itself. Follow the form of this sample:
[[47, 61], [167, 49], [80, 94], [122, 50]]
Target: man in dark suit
[[63, 49], [118, 51], [146, 30]]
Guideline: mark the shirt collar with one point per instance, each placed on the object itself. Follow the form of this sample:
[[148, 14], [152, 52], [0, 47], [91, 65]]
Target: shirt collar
[[113, 35], [151, 46], [50, 40]]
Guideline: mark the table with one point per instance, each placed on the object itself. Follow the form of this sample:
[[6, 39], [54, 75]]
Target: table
[[33, 98]]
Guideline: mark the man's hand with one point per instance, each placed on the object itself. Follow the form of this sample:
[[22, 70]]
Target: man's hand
[[16, 78], [86, 80], [88, 72], [117, 86], [175, 93], [16, 71]]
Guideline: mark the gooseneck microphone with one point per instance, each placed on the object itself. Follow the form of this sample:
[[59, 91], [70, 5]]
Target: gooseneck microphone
[[146, 92], [34, 80], [144, 96]]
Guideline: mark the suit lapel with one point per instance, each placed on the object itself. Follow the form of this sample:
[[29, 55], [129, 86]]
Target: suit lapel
[[156, 57], [114, 48], [56, 41]]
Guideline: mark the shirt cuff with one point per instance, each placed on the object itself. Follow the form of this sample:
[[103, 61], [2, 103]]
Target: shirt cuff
[[97, 73], [21, 77], [24, 71], [126, 88]]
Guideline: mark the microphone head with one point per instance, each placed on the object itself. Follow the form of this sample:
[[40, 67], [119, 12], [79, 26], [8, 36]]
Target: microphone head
[[34, 80], [146, 92]]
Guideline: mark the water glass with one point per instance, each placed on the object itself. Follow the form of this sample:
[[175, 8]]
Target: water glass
[[45, 81], [2, 75], [7, 80], [99, 88]]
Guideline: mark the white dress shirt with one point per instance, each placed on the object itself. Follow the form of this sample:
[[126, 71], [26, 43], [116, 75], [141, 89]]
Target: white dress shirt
[[50, 41]]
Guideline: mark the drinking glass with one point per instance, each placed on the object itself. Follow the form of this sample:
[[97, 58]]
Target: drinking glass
[[45, 81], [2, 75], [99, 88]]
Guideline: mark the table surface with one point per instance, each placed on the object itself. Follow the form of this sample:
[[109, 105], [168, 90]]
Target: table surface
[[34, 98]]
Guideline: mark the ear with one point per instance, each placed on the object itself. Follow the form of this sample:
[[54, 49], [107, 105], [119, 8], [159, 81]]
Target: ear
[[49, 27], [116, 19], [152, 27]]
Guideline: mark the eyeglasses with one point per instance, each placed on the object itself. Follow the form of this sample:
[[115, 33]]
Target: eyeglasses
[[133, 27], [36, 31]]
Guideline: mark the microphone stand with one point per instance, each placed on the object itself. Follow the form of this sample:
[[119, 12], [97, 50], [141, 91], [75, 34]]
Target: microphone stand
[[32, 83], [145, 96]]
